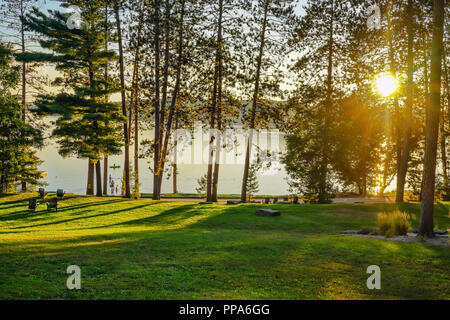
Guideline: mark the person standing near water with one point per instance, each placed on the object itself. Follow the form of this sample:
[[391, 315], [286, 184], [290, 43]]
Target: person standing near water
[[112, 186]]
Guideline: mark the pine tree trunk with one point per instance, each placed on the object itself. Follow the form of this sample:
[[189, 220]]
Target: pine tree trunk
[[254, 104], [105, 156], [105, 174], [215, 177], [174, 95], [445, 117], [135, 102], [175, 157], [156, 168], [164, 88], [90, 179], [427, 94], [98, 178], [209, 174], [432, 123], [401, 178], [24, 81], [124, 104]]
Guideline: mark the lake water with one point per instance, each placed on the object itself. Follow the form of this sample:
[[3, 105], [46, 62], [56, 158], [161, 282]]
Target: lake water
[[70, 174]]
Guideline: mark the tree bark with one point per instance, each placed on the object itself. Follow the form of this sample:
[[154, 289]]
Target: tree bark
[[427, 94], [165, 85], [443, 131], [328, 103], [134, 101], [175, 93], [401, 178], [175, 156], [24, 80], [209, 174], [124, 104], [254, 104], [90, 181], [98, 171], [219, 106], [105, 156], [432, 123], [156, 168]]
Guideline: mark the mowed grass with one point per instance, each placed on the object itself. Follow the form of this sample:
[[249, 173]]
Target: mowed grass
[[170, 250]]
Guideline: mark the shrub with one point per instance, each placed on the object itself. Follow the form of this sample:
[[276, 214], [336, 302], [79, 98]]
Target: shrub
[[396, 223]]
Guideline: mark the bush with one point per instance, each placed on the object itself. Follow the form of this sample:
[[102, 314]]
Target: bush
[[396, 223]]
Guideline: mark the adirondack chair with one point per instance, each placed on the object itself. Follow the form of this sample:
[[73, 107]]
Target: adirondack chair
[[32, 204], [60, 193], [42, 193], [52, 204]]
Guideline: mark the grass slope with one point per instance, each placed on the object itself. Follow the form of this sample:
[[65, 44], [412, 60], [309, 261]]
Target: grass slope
[[165, 250]]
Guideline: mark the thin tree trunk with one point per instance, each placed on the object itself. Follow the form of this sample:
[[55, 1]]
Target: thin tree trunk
[[325, 149], [175, 93], [398, 128], [105, 156], [444, 131], [124, 104], [219, 106], [98, 171], [209, 174], [175, 158], [156, 168], [427, 94], [135, 98], [254, 105], [432, 123], [164, 86], [401, 178], [24, 80], [105, 174], [90, 181]]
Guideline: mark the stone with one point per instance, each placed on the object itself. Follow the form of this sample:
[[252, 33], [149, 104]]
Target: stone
[[349, 232], [267, 212], [233, 202], [205, 202]]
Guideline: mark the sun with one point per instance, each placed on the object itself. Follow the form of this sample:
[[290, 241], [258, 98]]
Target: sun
[[385, 84]]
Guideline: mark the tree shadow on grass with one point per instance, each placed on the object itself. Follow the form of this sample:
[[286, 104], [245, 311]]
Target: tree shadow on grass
[[170, 216], [84, 217], [61, 208]]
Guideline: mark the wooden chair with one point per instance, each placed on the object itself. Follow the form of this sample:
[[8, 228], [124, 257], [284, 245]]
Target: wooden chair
[[42, 193], [32, 204], [52, 204], [60, 193]]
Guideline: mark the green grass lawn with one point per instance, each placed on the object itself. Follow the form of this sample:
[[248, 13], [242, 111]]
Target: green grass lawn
[[165, 250]]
